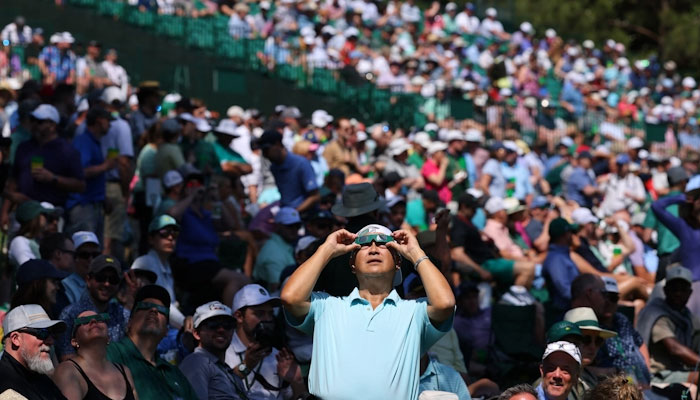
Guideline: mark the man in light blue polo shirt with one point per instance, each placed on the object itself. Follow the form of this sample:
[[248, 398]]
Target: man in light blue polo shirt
[[368, 345]]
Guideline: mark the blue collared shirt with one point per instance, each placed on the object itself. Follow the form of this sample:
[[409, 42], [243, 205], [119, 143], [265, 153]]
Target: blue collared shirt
[[360, 352], [90, 155], [75, 287], [438, 376], [560, 271], [295, 179]]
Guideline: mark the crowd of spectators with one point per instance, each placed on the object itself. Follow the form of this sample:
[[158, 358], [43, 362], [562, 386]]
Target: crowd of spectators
[[148, 241]]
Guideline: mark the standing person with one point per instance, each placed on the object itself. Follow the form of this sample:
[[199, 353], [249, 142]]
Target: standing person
[[398, 329], [85, 210], [89, 375], [117, 146], [209, 376], [253, 359], [686, 227], [47, 168], [154, 378], [278, 252], [667, 242], [434, 171], [293, 174], [26, 363]]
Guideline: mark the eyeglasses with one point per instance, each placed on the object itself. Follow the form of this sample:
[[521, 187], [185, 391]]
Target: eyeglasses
[[41, 334], [379, 239], [612, 298], [145, 305], [597, 340], [103, 317], [86, 255], [214, 325], [167, 233]]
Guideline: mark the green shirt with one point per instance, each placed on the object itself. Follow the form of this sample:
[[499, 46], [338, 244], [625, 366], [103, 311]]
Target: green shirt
[[19, 136], [667, 241], [169, 156], [415, 214], [225, 154], [454, 166], [416, 159], [275, 255], [162, 381]]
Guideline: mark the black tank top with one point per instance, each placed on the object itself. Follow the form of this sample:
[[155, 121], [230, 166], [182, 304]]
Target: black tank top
[[94, 393]]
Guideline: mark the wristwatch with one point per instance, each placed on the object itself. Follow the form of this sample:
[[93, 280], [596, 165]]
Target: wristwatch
[[243, 369]]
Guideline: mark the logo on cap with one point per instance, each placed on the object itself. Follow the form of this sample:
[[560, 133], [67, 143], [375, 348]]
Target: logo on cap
[[263, 292]]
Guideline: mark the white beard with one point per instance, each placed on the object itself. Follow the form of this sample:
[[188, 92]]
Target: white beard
[[36, 362]]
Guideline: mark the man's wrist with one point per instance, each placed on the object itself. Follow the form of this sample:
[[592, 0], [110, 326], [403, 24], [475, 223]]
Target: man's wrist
[[414, 255]]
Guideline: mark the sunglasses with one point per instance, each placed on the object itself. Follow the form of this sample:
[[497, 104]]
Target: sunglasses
[[103, 317], [214, 325], [145, 305], [102, 278], [597, 340], [167, 233], [379, 239], [41, 334], [86, 255]]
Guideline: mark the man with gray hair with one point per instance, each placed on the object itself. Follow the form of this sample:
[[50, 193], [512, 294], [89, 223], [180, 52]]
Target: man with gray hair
[[26, 364]]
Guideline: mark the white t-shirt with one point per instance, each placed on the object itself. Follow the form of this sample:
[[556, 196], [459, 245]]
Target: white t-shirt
[[466, 23], [22, 250], [488, 26]]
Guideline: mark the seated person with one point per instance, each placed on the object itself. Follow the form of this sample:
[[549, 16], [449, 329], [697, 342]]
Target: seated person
[[668, 329], [438, 376], [470, 248], [559, 371], [278, 252], [154, 378]]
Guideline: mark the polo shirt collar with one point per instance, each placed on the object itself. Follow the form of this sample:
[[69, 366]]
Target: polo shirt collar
[[355, 298], [429, 370], [134, 351], [237, 345], [206, 353]]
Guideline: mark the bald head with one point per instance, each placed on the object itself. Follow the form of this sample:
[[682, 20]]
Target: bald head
[[583, 283]]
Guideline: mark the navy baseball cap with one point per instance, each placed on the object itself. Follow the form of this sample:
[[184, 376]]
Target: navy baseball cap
[[36, 269]]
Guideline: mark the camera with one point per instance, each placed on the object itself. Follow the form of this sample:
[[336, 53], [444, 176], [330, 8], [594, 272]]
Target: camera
[[267, 335]]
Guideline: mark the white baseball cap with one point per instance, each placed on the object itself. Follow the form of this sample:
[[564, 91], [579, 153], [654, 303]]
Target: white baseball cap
[[227, 127], [235, 111], [434, 147], [82, 237], [111, 94], [610, 284], [30, 316], [491, 12], [635, 143], [253, 295], [494, 205], [304, 243], [437, 395], [46, 112], [454, 134], [474, 135], [210, 310], [583, 215], [564, 347], [172, 178]]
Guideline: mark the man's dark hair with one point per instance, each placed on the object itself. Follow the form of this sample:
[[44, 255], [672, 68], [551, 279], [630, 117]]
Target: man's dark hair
[[517, 389], [582, 283], [51, 243]]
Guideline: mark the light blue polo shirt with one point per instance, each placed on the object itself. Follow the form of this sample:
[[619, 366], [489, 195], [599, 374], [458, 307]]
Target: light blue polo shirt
[[360, 353]]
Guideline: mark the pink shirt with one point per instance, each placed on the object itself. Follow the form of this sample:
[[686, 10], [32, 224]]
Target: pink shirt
[[430, 168], [501, 238]]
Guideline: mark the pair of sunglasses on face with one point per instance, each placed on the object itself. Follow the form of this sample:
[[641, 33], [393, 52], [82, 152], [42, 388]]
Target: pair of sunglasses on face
[[145, 305], [103, 317], [214, 325], [379, 239], [166, 233], [39, 333]]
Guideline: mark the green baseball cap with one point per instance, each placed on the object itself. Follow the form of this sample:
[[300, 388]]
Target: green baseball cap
[[29, 210], [561, 330], [161, 222], [559, 226]]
